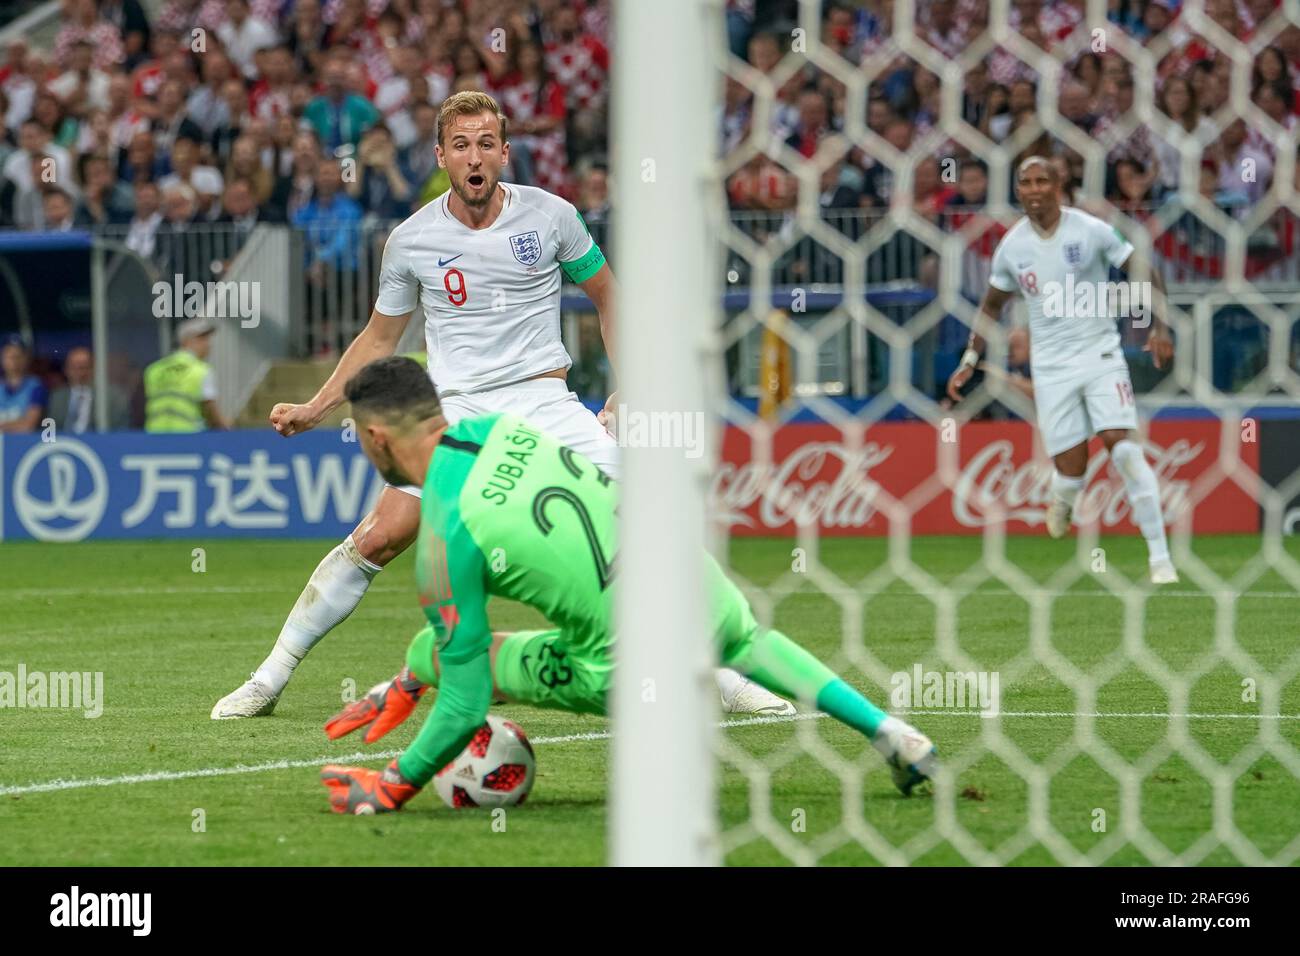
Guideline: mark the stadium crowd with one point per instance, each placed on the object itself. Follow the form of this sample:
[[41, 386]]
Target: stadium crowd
[[322, 114], [231, 110], [1097, 88], [1229, 132]]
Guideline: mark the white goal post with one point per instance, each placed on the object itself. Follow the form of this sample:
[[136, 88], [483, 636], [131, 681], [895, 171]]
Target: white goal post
[[663, 141]]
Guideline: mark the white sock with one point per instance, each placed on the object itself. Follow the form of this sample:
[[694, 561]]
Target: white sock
[[728, 681], [1066, 489], [886, 734], [1143, 496], [334, 589]]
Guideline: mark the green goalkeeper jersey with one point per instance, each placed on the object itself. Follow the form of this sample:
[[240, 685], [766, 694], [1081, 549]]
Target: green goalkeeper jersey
[[506, 510]]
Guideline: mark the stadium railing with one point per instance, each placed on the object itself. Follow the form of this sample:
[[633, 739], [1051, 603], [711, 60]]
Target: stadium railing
[[313, 305]]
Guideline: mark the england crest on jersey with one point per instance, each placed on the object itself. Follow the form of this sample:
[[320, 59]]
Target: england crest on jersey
[[1073, 253], [527, 247]]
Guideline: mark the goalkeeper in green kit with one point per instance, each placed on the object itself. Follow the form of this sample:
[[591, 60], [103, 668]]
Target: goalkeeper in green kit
[[509, 511]]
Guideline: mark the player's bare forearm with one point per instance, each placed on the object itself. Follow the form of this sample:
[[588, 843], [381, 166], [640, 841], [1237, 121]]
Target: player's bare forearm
[[1159, 342], [990, 311], [1160, 324], [377, 340], [602, 290]]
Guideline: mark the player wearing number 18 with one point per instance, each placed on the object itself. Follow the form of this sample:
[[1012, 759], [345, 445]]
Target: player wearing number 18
[[1081, 380], [507, 510]]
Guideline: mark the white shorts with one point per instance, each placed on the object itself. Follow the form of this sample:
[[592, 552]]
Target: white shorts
[[1096, 397], [548, 404]]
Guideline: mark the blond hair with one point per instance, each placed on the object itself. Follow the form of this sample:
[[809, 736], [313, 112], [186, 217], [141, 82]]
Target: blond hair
[[468, 103]]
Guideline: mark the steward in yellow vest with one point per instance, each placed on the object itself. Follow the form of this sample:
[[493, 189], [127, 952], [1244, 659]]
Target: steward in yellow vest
[[178, 390]]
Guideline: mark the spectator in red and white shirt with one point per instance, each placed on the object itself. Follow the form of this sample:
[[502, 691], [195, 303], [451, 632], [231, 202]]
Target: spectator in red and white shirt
[[814, 124], [184, 16], [408, 85], [243, 35], [149, 75], [270, 96], [81, 88], [941, 30], [124, 120], [81, 22], [534, 103], [580, 63]]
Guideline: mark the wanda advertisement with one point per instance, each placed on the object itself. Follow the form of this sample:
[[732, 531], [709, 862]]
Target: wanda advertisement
[[985, 473]]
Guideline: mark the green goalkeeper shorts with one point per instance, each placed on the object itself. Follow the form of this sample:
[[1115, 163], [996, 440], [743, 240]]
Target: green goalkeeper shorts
[[542, 668], [572, 670], [547, 669]]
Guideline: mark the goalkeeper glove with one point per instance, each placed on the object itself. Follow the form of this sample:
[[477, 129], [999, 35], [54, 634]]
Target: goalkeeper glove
[[387, 705], [356, 790]]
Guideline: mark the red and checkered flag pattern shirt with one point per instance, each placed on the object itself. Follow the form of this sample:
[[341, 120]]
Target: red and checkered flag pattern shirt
[[595, 20], [147, 79], [267, 103], [180, 17], [103, 36], [522, 101], [330, 9], [582, 68]]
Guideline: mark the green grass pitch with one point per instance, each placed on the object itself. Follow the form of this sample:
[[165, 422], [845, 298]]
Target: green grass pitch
[[170, 641]]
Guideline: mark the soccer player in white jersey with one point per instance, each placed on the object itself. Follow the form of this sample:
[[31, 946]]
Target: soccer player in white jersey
[[1081, 381], [483, 262]]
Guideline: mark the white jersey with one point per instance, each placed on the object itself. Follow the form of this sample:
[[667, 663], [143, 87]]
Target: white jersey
[[491, 297], [1080, 251]]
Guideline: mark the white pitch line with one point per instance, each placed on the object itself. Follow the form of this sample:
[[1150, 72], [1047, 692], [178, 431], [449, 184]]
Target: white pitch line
[[1096, 714], [159, 776], [110, 591]]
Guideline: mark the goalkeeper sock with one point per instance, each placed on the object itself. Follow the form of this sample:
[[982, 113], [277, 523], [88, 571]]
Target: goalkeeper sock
[[783, 667], [333, 591], [1066, 489], [1143, 490]]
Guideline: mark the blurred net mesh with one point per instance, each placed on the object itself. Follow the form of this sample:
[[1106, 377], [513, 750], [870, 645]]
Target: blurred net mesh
[[1226, 269]]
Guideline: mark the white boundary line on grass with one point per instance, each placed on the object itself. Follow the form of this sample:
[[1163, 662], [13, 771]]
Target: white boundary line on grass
[[109, 591], [157, 776]]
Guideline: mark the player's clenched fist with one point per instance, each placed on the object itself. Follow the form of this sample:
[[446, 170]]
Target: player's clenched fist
[[289, 419], [607, 415]]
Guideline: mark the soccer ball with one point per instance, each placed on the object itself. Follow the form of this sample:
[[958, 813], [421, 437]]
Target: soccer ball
[[496, 769]]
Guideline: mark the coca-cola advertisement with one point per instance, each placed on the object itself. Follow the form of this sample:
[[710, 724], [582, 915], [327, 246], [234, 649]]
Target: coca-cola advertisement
[[959, 480]]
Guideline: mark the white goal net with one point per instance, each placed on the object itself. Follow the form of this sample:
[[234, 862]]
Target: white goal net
[[863, 177]]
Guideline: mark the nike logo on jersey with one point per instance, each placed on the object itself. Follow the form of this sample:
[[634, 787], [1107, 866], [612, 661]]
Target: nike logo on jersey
[[442, 263]]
